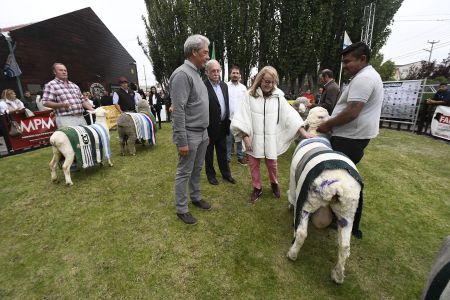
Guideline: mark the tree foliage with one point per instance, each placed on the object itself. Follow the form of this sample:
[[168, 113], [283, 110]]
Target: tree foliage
[[386, 69], [297, 37], [431, 70]]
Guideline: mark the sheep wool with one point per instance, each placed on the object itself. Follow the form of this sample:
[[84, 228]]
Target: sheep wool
[[85, 143], [314, 156], [145, 127]]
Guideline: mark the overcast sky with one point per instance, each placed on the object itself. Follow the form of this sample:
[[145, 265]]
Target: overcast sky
[[415, 24]]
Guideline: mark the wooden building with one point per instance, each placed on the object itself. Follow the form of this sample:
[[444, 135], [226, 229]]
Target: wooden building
[[79, 40]]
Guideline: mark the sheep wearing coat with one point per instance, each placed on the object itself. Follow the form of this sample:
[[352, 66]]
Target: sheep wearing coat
[[126, 128], [62, 146], [320, 179]]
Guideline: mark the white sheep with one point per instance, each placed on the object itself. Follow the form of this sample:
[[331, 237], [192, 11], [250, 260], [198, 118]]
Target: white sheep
[[321, 178], [61, 146]]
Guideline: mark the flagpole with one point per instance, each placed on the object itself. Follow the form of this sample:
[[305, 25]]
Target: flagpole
[[19, 84], [340, 73]]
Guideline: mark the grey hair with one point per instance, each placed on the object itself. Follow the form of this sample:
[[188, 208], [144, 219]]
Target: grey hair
[[194, 42], [210, 62]]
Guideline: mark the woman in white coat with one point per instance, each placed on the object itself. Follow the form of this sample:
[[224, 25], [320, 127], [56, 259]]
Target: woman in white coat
[[267, 124]]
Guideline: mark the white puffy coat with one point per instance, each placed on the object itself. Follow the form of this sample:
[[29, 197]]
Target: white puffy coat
[[272, 124]]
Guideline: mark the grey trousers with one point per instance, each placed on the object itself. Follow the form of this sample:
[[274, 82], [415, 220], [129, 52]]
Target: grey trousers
[[189, 169], [65, 121]]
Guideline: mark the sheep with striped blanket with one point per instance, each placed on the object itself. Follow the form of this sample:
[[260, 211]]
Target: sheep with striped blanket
[[88, 144], [320, 179], [136, 126]]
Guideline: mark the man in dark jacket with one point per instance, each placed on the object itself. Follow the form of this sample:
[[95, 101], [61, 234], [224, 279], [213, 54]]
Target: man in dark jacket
[[219, 124], [331, 91]]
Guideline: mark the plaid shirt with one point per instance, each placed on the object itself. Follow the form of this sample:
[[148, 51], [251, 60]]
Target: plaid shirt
[[57, 91]]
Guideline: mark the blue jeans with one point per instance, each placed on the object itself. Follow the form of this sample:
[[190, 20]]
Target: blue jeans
[[230, 141]]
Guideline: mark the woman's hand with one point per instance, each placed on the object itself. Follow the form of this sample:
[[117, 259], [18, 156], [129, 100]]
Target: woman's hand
[[248, 143], [305, 134]]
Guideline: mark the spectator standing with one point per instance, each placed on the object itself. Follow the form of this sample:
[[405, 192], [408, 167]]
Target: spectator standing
[[331, 91], [219, 124], [156, 102], [267, 124], [356, 116], [190, 120], [236, 91], [309, 96], [441, 97]]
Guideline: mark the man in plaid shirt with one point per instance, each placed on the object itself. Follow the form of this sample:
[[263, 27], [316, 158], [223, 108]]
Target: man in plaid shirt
[[65, 98]]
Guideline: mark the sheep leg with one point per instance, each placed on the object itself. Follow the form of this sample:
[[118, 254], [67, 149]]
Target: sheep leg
[[344, 235], [53, 164], [110, 162], [66, 167], [300, 236], [131, 144], [122, 145]]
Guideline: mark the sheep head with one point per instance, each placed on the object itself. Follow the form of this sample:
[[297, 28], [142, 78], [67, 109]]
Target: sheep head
[[316, 116], [143, 106]]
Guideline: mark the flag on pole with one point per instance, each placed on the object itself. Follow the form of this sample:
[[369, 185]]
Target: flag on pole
[[213, 53], [11, 68], [347, 41]]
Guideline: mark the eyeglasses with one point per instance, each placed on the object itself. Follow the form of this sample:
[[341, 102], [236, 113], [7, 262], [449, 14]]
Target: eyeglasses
[[271, 82]]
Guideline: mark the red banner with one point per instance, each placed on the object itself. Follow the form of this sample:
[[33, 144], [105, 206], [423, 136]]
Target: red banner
[[36, 131]]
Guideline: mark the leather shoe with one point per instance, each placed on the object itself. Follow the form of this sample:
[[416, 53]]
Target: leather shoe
[[187, 218], [230, 179], [275, 190], [202, 204], [255, 194], [213, 181]]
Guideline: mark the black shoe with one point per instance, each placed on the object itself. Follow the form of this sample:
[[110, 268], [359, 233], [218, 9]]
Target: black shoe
[[202, 204], [213, 181], [230, 179], [357, 234], [187, 218], [242, 161]]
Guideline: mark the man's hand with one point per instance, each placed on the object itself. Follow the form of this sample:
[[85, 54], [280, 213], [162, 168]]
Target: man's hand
[[248, 143], [65, 105], [324, 128], [183, 151]]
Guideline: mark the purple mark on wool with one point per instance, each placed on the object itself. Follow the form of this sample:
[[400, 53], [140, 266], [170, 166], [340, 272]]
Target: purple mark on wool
[[343, 222], [327, 182]]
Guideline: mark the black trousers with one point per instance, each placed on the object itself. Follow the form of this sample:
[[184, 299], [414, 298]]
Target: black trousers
[[220, 144], [158, 114], [354, 149]]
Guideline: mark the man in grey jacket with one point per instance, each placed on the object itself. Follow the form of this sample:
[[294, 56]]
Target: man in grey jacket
[[190, 119]]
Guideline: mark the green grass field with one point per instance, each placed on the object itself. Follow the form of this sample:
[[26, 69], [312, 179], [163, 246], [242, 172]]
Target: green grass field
[[114, 234]]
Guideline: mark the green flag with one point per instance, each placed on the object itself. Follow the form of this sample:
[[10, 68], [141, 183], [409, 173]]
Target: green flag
[[213, 53]]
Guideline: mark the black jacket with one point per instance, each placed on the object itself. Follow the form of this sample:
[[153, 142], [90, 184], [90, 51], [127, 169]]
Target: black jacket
[[216, 126]]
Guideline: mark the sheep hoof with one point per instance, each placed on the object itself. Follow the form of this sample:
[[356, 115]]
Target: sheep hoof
[[291, 255], [111, 164], [55, 180], [290, 206], [336, 277], [69, 183], [122, 154]]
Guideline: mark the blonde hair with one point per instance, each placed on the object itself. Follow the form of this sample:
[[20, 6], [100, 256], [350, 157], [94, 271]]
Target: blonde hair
[[266, 70], [6, 94], [3, 96]]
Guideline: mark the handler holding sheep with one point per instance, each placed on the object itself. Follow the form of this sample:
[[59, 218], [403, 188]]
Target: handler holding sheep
[[190, 119], [355, 119], [65, 98]]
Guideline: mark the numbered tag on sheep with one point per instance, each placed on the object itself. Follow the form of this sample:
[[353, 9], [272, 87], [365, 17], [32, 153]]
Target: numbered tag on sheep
[[90, 145]]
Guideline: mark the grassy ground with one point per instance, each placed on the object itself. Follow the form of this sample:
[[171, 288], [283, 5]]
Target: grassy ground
[[114, 234]]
